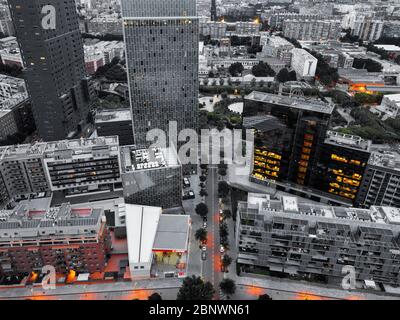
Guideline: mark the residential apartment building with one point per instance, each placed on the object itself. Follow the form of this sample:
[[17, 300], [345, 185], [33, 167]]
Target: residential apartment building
[[72, 167], [151, 177], [381, 182], [57, 83], [367, 28], [311, 29], [64, 237], [105, 25], [390, 105], [308, 241]]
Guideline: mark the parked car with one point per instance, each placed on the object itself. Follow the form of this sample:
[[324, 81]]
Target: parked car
[[205, 224], [203, 248], [188, 195], [186, 183], [222, 249]]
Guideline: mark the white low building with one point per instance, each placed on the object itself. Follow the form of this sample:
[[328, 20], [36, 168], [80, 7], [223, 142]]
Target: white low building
[[157, 243], [390, 105], [304, 63]]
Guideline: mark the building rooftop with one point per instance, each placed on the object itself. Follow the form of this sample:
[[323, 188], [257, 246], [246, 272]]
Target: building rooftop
[[134, 159], [172, 233], [51, 148], [290, 205], [346, 140], [386, 159], [25, 221], [113, 115], [292, 102]]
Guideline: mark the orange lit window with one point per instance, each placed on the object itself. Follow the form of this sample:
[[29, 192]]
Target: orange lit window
[[307, 144], [338, 158], [305, 157], [306, 150], [356, 162]]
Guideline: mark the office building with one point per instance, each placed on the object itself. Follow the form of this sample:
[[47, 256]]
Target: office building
[[380, 184], [64, 237], [117, 123], [341, 164], [60, 91], [308, 241], [289, 131], [151, 177], [162, 44], [304, 63]]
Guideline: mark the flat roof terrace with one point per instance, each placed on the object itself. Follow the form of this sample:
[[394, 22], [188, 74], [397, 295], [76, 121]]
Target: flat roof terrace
[[146, 159], [291, 102], [346, 140]]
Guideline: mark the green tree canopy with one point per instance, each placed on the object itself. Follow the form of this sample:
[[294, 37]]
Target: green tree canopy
[[194, 288]]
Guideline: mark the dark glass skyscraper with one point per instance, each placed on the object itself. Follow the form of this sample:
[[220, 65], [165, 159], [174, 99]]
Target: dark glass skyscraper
[[161, 40], [55, 68]]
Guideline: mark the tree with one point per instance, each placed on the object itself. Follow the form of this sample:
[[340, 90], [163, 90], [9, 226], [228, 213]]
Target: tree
[[283, 75], [194, 288], [227, 214], [226, 261], [262, 70], [221, 82], [228, 286], [203, 193], [201, 235], [203, 166], [155, 296], [203, 178], [292, 76], [202, 209], [369, 64], [223, 230], [236, 69], [222, 172], [264, 297], [223, 189]]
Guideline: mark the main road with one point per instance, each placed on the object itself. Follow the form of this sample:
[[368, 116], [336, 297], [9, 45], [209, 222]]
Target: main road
[[212, 266]]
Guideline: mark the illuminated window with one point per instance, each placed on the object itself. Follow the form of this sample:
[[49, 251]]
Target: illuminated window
[[306, 150], [305, 157], [338, 158], [307, 144]]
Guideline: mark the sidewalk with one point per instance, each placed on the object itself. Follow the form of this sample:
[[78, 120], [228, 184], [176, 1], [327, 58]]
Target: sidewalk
[[285, 285], [91, 288]]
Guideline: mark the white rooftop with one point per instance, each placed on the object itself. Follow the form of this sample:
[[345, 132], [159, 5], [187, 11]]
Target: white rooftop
[[141, 229]]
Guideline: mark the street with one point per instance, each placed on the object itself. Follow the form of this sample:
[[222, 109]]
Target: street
[[212, 266]]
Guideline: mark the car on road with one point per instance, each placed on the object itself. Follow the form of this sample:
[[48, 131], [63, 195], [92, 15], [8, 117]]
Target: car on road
[[222, 249], [189, 195], [186, 183], [203, 248], [205, 224], [203, 255]]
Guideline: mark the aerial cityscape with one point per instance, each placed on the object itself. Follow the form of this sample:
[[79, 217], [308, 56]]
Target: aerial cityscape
[[200, 150]]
